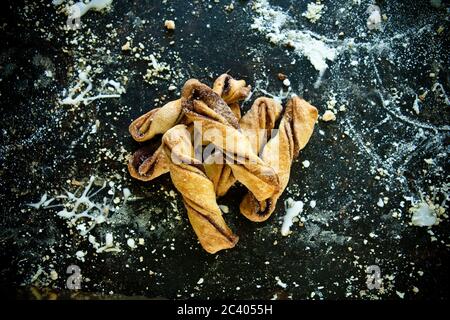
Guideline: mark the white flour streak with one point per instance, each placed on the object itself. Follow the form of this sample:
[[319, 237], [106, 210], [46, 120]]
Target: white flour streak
[[79, 95], [394, 110], [440, 89], [81, 206], [293, 209], [272, 22], [357, 139], [79, 9], [391, 109]]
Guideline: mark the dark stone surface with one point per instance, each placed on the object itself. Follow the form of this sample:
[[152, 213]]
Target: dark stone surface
[[44, 144]]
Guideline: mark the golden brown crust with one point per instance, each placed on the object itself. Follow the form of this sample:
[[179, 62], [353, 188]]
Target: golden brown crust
[[159, 120], [147, 163], [194, 90], [256, 125], [236, 109], [156, 121], [247, 167], [219, 173], [197, 191], [231, 90], [295, 130], [218, 112], [259, 121]]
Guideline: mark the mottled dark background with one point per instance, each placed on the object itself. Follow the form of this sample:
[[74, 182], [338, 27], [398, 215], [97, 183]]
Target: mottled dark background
[[44, 144]]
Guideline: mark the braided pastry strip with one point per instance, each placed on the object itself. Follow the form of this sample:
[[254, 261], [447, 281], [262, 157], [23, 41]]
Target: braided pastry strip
[[213, 106], [232, 91], [247, 167], [295, 130], [156, 121], [149, 162], [256, 125], [197, 191]]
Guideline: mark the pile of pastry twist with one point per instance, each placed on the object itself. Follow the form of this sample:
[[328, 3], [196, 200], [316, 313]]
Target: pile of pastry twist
[[245, 148]]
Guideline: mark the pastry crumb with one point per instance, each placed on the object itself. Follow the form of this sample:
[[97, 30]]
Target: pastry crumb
[[282, 76], [126, 46], [169, 24], [329, 116]]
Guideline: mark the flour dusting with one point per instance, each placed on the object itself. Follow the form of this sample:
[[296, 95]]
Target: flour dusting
[[273, 22]]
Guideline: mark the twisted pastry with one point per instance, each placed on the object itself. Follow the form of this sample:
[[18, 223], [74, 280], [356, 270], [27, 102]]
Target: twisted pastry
[[295, 129], [197, 190], [232, 91], [147, 163], [259, 121], [219, 129], [159, 120], [156, 121], [212, 105], [256, 125]]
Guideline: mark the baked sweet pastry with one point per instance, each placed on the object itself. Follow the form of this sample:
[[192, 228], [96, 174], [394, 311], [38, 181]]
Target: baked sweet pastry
[[156, 121], [197, 190], [232, 92], [256, 125], [295, 130], [219, 127], [232, 148], [149, 162]]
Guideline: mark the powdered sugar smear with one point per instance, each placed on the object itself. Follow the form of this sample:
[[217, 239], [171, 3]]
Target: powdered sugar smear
[[273, 22], [293, 209]]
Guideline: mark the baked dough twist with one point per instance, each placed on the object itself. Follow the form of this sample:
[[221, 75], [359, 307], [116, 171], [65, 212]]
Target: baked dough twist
[[222, 132], [149, 162], [296, 127], [197, 190], [232, 91], [156, 121], [256, 125]]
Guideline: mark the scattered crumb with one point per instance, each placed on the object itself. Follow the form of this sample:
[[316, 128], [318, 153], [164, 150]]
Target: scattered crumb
[[329, 116], [169, 24], [280, 283], [224, 208], [380, 203], [126, 46], [53, 275], [374, 19], [80, 255]]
